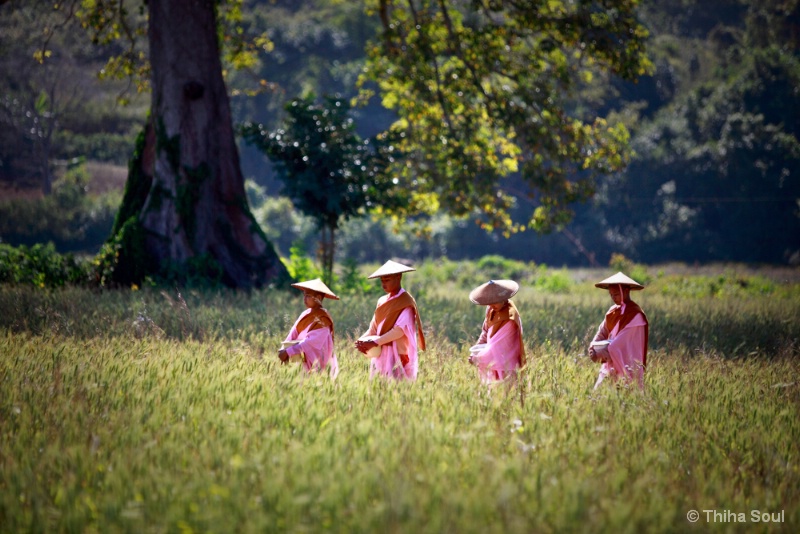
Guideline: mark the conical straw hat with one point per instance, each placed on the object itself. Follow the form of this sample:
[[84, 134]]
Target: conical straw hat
[[391, 267], [619, 279], [494, 291], [316, 285]]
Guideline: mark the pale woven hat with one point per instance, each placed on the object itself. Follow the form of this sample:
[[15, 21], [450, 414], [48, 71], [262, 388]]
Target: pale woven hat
[[391, 267], [494, 291], [619, 279], [316, 285]]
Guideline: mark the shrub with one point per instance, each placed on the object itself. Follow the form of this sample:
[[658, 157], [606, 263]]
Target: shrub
[[619, 262], [498, 267], [551, 281], [41, 266], [299, 265], [639, 273], [720, 286], [352, 281]]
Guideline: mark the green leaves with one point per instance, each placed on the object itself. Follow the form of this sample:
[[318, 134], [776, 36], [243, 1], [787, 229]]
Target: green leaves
[[482, 89], [328, 171]]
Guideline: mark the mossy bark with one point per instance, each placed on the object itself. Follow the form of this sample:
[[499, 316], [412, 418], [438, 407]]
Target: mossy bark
[[185, 196]]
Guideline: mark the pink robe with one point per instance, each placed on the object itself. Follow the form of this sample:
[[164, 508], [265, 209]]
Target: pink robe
[[502, 356], [626, 351], [389, 363], [317, 345]]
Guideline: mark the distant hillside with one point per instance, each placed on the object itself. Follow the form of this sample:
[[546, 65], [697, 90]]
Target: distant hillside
[[715, 177]]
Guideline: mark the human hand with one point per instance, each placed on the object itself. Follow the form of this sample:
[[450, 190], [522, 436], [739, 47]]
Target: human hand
[[283, 355], [599, 354], [364, 346]]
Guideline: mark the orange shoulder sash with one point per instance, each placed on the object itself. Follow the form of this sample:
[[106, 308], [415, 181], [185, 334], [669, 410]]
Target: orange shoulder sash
[[498, 319], [318, 318], [389, 311], [631, 309]]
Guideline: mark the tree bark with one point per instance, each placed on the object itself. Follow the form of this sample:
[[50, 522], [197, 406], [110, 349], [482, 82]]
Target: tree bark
[[327, 251], [195, 207]]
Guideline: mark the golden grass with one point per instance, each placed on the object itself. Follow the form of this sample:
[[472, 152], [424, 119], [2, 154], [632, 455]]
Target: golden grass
[[132, 412]]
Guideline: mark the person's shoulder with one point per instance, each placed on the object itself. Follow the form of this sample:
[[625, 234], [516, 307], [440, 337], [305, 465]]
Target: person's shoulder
[[408, 298], [322, 312], [639, 318], [614, 308]]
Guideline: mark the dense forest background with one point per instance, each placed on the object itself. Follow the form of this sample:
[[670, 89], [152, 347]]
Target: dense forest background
[[715, 128]]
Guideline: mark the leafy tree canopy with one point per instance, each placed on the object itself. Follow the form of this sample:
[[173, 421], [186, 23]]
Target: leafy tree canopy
[[328, 171], [482, 92]]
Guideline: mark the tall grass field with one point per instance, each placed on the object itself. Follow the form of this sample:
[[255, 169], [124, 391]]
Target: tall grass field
[[167, 410]]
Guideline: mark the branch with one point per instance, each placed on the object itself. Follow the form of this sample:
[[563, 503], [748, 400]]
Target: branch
[[456, 50], [49, 33], [432, 58]]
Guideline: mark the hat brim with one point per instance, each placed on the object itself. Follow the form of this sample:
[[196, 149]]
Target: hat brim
[[633, 287], [493, 292], [318, 286], [619, 279], [391, 267]]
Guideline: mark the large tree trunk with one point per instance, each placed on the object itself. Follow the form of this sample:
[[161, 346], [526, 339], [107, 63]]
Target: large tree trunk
[[185, 188]]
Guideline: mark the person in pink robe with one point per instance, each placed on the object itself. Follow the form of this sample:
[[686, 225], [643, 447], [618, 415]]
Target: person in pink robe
[[620, 344], [313, 331], [391, 340], [499, 353]]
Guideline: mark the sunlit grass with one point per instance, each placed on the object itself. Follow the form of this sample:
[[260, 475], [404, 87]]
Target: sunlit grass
[[134, 412]]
